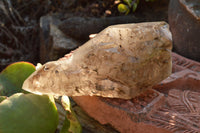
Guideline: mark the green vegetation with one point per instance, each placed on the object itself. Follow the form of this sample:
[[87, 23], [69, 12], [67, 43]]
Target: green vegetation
[[126, 6], [23, 112], [13, 76], [28, 113]]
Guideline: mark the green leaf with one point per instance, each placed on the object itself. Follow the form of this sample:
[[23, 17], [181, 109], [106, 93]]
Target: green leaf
[[128, 2], [149, 0], [134, 7], [13, 76], [2, 98], [71, 123], [137, 2], [28, 113], [123, 8]]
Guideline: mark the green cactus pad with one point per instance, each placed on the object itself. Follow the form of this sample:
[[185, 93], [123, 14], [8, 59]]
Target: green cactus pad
[[28, 113], [13, 76]]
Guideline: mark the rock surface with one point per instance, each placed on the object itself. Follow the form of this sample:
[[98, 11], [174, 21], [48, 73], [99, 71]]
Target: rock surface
[[53, 42], [184, 21], [181, 63], [122, 61]]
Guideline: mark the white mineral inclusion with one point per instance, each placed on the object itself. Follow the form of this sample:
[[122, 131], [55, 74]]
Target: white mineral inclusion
[[37, 83], [113, 50], [166, 32], [69, 60], [36, 92], [39, 65]]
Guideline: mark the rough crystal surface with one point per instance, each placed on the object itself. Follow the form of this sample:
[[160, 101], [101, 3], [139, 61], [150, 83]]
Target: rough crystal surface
[[122, 61]]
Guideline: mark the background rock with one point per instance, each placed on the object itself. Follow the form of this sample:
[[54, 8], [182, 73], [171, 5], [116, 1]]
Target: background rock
[[53, 43], [80, 28], [184, 21]]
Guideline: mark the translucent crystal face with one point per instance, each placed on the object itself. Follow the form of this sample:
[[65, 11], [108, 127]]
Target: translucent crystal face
[[121, 61]]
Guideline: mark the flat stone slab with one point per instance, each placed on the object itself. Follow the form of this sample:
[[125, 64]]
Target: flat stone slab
[[172, 106], [181, 63], [124, 115]]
